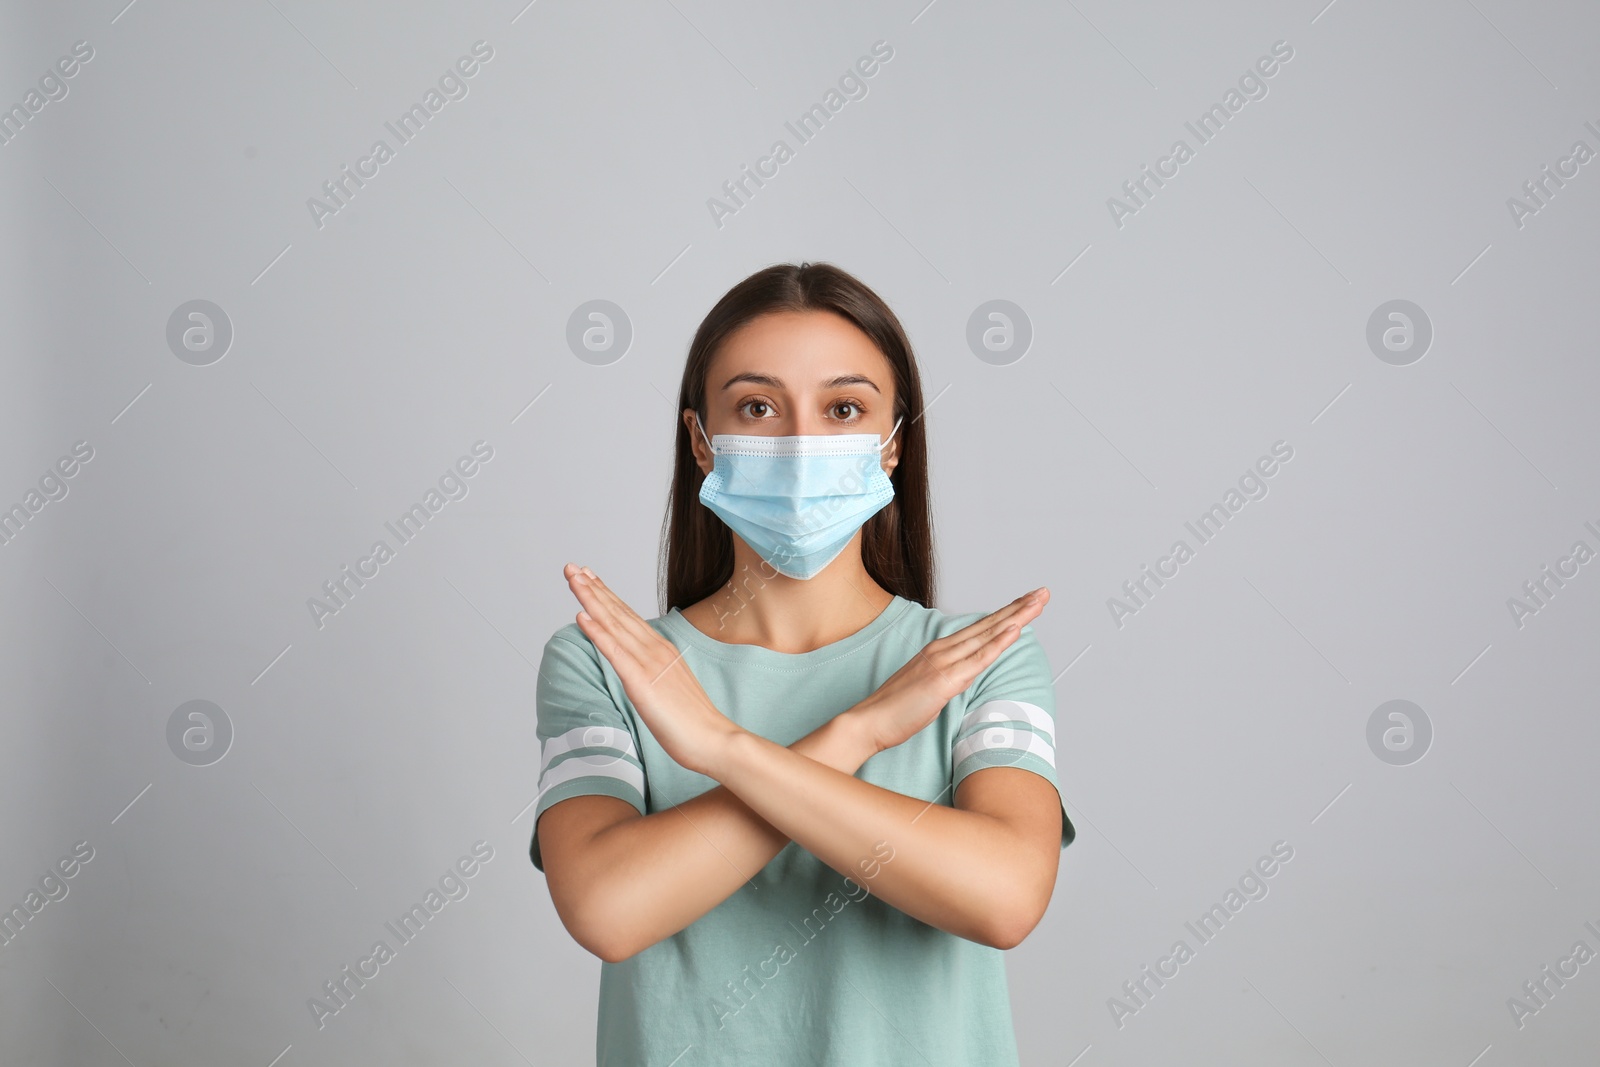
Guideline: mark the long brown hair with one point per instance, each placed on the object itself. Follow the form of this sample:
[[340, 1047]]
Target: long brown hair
[[896, 542]]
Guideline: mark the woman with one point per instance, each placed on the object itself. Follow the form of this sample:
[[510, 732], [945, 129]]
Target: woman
[[799, 815]]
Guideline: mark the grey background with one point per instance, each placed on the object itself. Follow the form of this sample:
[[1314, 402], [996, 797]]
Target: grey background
[[369, 354]]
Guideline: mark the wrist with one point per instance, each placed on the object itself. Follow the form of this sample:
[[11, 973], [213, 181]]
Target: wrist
[[723, 752], [855, 727]]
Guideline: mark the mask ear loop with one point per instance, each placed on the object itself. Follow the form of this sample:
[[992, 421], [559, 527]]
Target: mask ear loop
[[703, 436], [885, 442]]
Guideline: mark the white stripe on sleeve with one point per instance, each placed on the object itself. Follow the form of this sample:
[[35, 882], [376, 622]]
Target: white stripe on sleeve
[[612, 737], [600, 766], [1005, 738], [1010, 711]]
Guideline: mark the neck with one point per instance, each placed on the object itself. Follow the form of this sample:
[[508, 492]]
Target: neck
[[759, 606]]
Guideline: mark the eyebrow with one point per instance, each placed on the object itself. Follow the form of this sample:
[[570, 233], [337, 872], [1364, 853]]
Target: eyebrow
[[777, 383]]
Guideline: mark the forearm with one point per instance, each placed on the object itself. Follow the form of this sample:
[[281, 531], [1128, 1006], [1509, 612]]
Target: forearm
[[953, 869], [656, 874]]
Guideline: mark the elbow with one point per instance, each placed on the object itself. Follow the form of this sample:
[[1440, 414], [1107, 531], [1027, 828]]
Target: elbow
[[585, 905], [1006, 935], [1023, 905], [599, 914], [599, 931], [1010, 926], [600, 937], [600, 942], [617, 946], [609, 951], [1011, 930]]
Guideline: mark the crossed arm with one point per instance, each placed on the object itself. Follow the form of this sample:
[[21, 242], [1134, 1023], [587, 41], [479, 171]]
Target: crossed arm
[[621, 881]]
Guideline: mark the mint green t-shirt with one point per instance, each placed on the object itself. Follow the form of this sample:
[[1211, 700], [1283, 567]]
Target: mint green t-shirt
[[801, 965]]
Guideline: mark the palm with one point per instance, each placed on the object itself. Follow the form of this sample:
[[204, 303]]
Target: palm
[[913, 695], [662, 688]]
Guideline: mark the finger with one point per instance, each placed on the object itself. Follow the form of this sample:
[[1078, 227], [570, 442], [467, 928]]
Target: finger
[[588, 595], [638, 664], [597, 600], [990, 650], [620, 614], [985, 626], [1025, 608], [652, 653], [966, 641], [596, 604], [959, 671], [973, 656], [619, 607], [970, 666], [604, 638]]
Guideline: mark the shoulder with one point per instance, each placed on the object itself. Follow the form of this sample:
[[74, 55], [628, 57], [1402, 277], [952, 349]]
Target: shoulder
[[570, 657], [576, 686], [571, 633], [570, 640], [932, 623]]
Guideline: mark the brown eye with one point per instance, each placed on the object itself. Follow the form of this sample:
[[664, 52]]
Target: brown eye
[[844, 405], [752, 405]]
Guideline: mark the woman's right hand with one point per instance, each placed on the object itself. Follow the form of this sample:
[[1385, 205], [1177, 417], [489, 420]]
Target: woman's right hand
[[912, 697]]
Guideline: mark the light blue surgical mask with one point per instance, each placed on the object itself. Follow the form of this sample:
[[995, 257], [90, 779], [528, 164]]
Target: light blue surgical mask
[[796, 501]]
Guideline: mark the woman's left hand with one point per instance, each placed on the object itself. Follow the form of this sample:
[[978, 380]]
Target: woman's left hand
[[659, 683]]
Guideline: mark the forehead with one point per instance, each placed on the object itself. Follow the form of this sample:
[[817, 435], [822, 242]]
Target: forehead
[[801, 348]]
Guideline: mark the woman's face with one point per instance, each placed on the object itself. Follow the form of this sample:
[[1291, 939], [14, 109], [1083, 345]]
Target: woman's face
[[788, 373]]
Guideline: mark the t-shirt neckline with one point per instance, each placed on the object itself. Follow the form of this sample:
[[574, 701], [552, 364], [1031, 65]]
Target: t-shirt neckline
[[686, 631]]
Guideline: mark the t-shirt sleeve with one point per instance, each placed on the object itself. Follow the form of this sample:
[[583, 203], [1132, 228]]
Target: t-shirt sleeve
[[585, 742], [1010, 720]]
